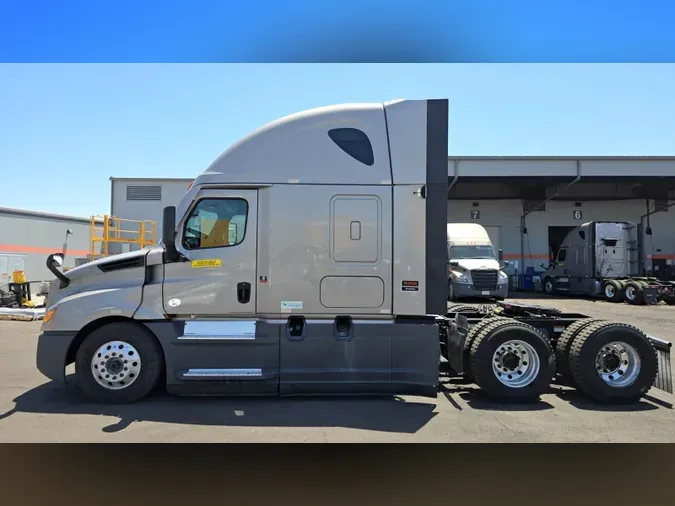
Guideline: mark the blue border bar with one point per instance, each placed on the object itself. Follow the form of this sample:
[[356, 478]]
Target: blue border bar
[[337, 31]]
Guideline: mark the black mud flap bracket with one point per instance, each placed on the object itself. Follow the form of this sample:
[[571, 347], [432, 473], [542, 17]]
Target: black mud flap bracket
[[457, 332]]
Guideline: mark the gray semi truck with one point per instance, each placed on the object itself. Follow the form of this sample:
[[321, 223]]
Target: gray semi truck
[[311, 258], [600, 258]]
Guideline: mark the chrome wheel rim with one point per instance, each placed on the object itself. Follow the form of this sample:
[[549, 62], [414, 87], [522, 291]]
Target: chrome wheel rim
[[116, 365], [630, 293], [515, 364], [618, 364], [609, 291], [549, 287]]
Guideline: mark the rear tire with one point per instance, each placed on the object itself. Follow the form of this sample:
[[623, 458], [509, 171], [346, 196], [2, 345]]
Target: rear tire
[[135, 354], [473, 333], [613, 363], [613, 291], [562, 348], [512, 361], [461, 308], [634, 294]]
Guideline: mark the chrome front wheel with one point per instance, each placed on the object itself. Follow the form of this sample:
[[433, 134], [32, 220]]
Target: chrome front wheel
[[116, 365]]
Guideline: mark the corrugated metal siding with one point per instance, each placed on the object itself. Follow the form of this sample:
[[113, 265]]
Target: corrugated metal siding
[[38, 236]]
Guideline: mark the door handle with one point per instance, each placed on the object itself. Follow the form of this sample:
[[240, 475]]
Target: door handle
[[244, 292]]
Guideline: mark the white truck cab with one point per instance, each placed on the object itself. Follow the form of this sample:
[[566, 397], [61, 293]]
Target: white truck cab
[[474, 268]]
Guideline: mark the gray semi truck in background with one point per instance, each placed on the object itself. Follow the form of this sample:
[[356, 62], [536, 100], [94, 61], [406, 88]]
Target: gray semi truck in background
[[311, 257], [600, 258]]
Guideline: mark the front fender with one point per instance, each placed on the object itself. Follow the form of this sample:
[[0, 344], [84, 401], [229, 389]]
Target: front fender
[[73, 312]]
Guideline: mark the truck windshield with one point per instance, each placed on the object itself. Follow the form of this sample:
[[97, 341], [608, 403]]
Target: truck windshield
[[484, 252]]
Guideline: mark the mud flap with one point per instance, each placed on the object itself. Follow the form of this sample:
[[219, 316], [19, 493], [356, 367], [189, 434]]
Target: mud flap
[[664, 377], [652, 295]]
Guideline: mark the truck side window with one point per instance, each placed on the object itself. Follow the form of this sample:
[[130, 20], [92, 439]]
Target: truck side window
[[216, 223], [562, 255], [353, 142]]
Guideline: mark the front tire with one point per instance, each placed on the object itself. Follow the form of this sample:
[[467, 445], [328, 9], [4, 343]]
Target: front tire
[[549, 286], [452, 297], [512, 361], [118, 363]]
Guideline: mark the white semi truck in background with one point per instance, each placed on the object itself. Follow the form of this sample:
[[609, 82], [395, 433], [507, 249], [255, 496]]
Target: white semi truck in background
[[475, 269], [334, 280]]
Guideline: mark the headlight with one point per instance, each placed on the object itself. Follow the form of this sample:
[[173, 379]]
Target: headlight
[[461, 277], [503, 278]]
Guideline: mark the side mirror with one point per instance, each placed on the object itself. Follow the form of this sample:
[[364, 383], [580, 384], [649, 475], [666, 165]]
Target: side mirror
[[454, 263], [54, 261], [169, 232], [500, 253], [505, 263], [57, 260]]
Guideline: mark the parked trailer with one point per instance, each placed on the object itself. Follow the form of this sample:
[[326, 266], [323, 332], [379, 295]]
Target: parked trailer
[[311, 258], [600, 259]]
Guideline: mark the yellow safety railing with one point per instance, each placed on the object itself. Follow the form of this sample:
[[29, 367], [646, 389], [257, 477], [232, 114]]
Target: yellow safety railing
[[110, 229]]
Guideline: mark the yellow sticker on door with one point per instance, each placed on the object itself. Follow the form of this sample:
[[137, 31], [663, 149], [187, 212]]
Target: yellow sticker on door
[[206, 263]]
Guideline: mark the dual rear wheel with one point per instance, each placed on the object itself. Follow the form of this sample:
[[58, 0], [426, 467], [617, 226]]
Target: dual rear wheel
[[511, 361], [609, 362]]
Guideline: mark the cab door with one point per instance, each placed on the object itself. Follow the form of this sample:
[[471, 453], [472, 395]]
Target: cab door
[[218, 238], [561, 271], [212, 294]]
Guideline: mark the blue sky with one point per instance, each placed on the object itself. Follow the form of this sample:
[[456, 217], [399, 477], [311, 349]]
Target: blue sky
[[65, 129]]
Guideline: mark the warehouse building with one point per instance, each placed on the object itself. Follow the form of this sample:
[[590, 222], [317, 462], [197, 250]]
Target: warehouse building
[[28, 237], [527, 203]]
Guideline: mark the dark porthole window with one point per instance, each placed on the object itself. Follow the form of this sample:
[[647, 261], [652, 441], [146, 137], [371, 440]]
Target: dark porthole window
[[353, 142]]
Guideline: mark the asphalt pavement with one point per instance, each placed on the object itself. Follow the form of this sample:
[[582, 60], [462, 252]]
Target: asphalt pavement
[[32, 409]]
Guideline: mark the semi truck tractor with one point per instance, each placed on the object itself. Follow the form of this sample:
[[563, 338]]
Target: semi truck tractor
[[600, 258], [475, 270], [311, 258]]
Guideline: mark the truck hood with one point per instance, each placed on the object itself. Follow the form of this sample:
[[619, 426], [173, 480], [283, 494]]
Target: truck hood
[[113, 272], [99, 266], [476, 263]]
